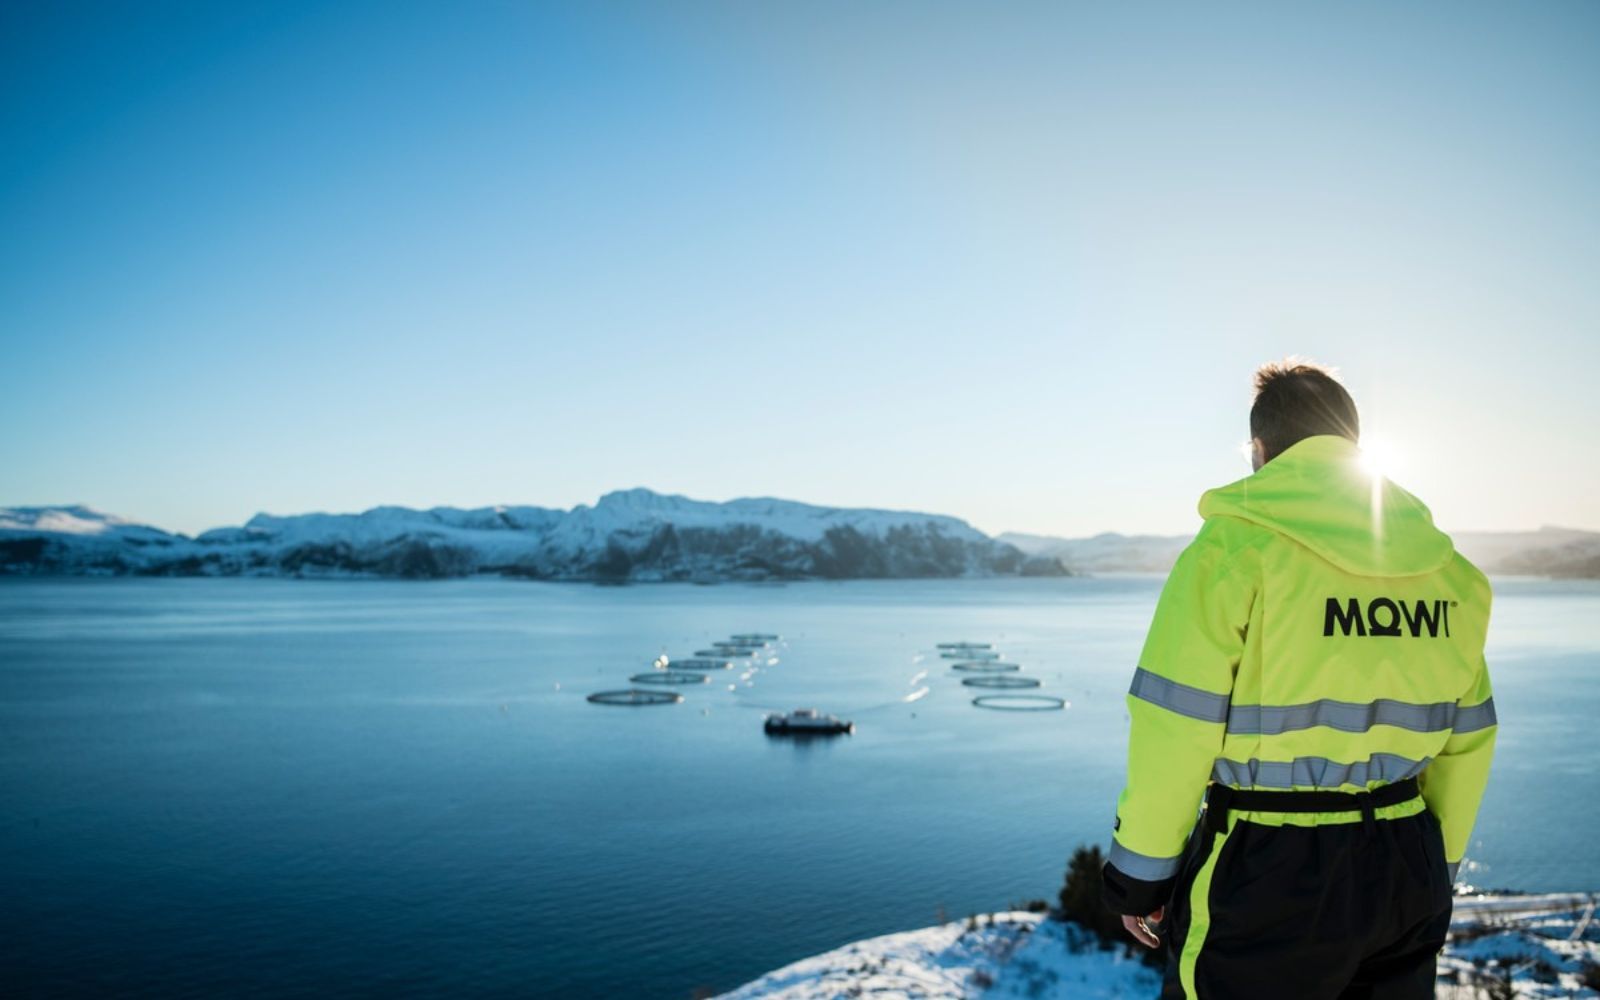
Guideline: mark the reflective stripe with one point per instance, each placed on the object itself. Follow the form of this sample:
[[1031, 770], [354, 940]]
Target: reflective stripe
[[1469, 720], [1348, 716], [1200, 908], [1142, 866], [1180, 698], [1315, 772]]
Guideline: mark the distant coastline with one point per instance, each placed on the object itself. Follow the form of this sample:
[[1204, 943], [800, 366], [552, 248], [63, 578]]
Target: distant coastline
[[640, 536], [629, 536]]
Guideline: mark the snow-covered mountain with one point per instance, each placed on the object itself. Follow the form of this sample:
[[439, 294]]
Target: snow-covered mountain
[[1550, 551], [629, 535], [642, 535]]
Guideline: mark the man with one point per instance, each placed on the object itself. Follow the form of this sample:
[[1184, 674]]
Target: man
[[1315, 673]]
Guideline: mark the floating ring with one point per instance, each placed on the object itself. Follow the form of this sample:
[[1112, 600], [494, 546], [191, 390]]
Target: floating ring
[[1020, 702], [700, 663], [986, 666], [1001, 681], [669, 677], [634, 696]]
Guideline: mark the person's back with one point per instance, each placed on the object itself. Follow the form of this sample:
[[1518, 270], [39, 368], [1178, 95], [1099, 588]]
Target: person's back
[[1318, 636]]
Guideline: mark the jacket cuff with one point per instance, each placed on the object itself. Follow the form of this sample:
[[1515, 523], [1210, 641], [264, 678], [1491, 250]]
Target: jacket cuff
[[1133, 897]]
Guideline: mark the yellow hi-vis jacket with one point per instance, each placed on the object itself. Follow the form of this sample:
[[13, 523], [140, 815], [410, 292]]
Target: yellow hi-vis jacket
[[1318, 633]]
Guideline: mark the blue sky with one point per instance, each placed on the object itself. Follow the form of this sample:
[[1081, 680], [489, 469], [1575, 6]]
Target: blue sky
[[1010, 262]]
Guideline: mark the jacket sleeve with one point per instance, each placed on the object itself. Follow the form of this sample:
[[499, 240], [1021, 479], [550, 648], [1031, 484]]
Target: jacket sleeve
[[1452, 784], [1178, 711]]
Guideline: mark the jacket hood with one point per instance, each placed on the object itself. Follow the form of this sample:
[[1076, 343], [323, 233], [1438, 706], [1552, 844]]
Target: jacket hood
[[1317, 493]]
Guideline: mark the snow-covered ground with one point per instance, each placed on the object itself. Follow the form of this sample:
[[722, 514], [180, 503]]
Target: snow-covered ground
[[1543, 946], [999, 959]]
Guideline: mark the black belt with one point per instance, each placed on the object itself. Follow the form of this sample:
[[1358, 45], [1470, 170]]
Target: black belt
[[1220, 798]]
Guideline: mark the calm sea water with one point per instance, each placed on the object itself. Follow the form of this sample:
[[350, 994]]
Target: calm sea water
[[299, 788]]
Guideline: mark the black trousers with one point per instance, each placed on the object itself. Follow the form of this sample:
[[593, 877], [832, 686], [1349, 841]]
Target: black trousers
[[1353, 911]]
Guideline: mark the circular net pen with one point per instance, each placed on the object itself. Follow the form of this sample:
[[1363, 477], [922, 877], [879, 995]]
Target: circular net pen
[[966, 645], [755, 636], [724, 652], [702, 663], [969, 654], [1001, 681], [985, 667], [634, 696], [669, 677], [1020, 702]]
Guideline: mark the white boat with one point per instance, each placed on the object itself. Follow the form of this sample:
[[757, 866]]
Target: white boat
[[806, 721]]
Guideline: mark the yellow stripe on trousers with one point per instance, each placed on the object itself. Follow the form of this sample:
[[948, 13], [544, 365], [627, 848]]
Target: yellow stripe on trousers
[[1200, 911]]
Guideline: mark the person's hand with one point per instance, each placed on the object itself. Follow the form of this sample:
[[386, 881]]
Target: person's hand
[[1143, 928]]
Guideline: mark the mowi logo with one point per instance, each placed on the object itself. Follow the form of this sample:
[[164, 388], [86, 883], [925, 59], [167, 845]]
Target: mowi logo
[[1384, 616]]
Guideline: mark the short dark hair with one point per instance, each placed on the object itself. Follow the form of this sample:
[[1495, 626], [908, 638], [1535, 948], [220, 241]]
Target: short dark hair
[[1296, 399]]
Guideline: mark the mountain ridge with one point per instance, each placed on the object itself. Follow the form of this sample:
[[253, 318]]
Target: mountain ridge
[[634, 535], [638, 534]]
